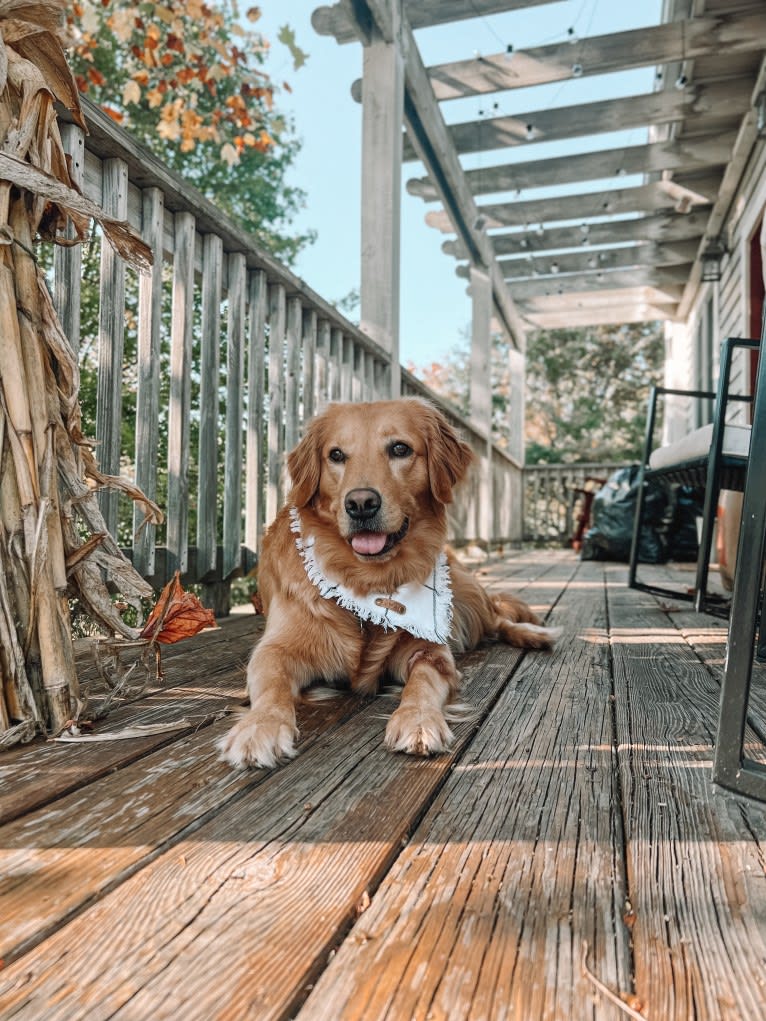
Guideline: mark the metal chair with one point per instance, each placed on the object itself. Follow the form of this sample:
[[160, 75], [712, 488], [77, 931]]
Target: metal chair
[[731, 769], [708, 460]]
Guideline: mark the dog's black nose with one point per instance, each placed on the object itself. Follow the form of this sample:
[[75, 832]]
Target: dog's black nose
[[362, 504]]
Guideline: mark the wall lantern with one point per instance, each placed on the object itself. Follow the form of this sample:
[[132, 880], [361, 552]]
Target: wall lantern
[[712, 256]]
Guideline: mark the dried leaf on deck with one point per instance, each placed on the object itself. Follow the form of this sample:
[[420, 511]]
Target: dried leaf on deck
[[177, 614]]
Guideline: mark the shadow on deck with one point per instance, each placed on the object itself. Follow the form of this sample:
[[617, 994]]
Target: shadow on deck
[[575, 820]]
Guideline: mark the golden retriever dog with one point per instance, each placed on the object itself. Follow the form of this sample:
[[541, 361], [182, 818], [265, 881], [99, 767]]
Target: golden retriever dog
[[356, 584]]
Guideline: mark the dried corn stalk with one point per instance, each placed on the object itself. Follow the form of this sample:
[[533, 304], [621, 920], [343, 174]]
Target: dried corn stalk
[[53, 540]]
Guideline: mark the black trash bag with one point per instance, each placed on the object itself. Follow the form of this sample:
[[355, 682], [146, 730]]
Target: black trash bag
[[681, 535], [613, 512]]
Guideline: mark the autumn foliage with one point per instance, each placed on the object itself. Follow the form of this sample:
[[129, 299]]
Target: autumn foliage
[[189, 80], [175, 58]]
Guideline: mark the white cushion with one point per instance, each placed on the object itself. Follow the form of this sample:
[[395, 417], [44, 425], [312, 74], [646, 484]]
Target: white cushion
[[736, 443]]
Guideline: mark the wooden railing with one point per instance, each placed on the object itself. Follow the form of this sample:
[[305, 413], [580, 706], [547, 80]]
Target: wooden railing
[[555, 497], [232, 350]]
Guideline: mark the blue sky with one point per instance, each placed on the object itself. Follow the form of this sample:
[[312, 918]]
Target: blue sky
[[435, 308]]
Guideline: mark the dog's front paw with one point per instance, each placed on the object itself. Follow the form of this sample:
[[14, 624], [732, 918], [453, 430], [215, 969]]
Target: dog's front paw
[[263, 737], [418, 731]]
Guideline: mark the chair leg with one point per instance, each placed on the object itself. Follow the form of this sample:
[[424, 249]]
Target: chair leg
[[638, 522], [709, 513], [730, 767]]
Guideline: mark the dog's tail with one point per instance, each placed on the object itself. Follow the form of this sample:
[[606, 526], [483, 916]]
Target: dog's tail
[[517, 624], [527, 636]]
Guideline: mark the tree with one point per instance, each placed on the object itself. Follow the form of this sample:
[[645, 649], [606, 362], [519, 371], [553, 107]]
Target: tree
[[188, 80], [586, 389]]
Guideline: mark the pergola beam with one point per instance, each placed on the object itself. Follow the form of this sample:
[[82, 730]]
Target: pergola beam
[[335, 20], [668, 280], [690, 155], [599, 260], [643, 199], [730, 32], [726, 101], [570, 318], [663, 227]]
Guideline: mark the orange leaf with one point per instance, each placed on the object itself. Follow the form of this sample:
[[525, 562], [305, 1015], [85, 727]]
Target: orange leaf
[[176, 615]]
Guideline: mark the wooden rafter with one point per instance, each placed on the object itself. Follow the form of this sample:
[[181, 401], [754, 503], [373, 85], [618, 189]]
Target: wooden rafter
[[669, 277], [335, 20], [570, 315], [694, 155], [599, 260], [579, 207], [669, 294], [731, 32], [662, 227], [724, 101]]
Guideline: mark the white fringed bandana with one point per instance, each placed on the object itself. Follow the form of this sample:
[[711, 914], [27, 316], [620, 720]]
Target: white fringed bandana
[[423, 610]]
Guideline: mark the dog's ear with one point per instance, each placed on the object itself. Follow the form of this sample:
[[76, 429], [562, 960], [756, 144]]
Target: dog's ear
[[304, 463], [449, 458]]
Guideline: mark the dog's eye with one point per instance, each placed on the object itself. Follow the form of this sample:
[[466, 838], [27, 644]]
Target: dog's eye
[[399, 450], [337, 455]]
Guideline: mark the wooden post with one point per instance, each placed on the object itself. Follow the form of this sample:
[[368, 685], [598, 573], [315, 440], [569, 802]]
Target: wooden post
[[276, 429], [481, 389], [254, 459], [111, 341], [184, 226], [210, 344], [382, 118], [235, 385], [148, 397], [67, 260]]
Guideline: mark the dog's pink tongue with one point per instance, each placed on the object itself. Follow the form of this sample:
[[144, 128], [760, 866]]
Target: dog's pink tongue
[[368, 543]]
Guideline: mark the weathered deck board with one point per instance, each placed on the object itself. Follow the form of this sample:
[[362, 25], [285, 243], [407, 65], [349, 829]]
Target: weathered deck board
[[694, 859], [244, 882], [515, 865], [206, 675], [151, 881]]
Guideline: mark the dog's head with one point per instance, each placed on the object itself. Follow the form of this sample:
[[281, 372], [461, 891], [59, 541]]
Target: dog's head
[[380, 473]]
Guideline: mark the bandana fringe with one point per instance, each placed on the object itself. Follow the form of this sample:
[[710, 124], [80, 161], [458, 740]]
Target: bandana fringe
[[432, 618]]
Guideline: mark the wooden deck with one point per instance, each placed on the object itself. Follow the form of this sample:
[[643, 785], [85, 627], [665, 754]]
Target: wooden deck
[[574, 824]]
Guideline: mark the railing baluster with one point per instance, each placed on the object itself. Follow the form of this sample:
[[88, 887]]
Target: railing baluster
[[254, 460], [67, 260], [111, 340], [180, 392], [235, 378], [356, 377], [336, 348], [309, 363], [207, 511], [293, 369], [276, 398], [346, 366], [323, 360], [148, 396]]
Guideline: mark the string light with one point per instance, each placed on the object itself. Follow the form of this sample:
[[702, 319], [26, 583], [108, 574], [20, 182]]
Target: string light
[[576, 70], [530, 132]]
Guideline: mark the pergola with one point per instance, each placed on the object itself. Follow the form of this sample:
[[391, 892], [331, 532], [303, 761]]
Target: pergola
[[610, 255]]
